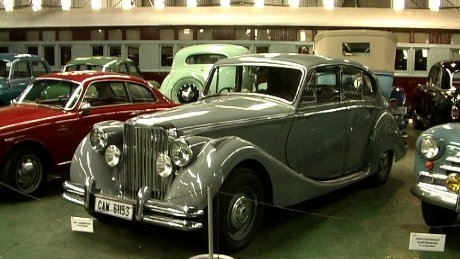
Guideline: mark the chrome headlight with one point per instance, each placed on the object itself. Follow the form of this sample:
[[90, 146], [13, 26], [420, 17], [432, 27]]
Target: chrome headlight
[[112, 155], [181, 153], [164, 165], [430, 147], [98, 139]]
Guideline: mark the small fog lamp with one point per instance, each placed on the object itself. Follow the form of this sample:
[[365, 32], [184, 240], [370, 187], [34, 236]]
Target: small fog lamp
[[164, 165], [429, 165], [112, 155]]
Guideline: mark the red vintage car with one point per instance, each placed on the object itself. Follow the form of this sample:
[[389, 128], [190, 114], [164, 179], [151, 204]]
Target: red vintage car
[[40, 131]]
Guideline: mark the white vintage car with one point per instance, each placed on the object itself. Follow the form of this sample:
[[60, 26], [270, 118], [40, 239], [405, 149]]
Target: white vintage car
[[191, 67]]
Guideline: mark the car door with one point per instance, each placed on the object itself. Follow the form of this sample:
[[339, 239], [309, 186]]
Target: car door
[[358, 90], [316, 142]]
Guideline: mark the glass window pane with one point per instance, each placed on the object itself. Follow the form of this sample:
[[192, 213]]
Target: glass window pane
[[401, 59], [38, 68], [166, 56], [115, 51], [140, 94], [49, 55], [420, 61], [97, 50], [66, 54], [33, 50], [22, 70]]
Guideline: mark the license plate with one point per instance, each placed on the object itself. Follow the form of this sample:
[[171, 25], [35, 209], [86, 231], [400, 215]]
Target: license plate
[[399, 110], [114, 208]]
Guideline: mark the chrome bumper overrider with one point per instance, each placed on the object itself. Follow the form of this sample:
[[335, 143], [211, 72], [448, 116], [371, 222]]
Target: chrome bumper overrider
[[437, 195], [146, 210]]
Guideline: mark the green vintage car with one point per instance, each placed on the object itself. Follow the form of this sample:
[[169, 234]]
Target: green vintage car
[[437, 174], [275, 129], [191, 67], [106, 64]]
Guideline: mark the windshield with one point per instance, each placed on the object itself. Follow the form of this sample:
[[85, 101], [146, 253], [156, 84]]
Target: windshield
[[61, 94], [82, 67], [5, 68], [281, 82]]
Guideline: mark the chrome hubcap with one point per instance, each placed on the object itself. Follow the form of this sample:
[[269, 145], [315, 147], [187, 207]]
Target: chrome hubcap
[[241, 212], [28, 174]]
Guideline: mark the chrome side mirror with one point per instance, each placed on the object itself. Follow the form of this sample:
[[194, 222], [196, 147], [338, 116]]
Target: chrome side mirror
[[85, 108]]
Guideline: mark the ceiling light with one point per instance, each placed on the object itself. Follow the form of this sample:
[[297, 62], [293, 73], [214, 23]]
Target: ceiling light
[[36, 5], [398, 5], [9, 5], [96, 4], [294, 3], [126, 4], [65, 4], [191, 3], [259, 3], [159, 4], [225, 3], [434, 5], [328, 4]]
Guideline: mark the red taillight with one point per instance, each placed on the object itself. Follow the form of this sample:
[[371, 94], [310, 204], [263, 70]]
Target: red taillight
[[429, 165]]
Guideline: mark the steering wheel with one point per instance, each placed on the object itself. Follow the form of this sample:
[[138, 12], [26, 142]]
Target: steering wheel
[[227, 89]]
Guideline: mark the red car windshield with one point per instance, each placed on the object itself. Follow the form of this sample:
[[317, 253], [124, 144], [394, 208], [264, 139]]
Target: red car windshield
[[51, 92]]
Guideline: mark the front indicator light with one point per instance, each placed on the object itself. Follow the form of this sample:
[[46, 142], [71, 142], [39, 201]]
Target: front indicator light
[[112, 155], [429, 165], [453, 182]]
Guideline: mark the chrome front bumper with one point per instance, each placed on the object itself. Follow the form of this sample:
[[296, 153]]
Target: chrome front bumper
[[145, 210], [437, 195]]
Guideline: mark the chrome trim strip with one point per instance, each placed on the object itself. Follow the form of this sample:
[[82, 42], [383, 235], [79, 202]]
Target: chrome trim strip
[[438, 195], [73, 188], [453, 159], [173, 209], [433, 175], [450, 168], [78, 200], [173, 223]]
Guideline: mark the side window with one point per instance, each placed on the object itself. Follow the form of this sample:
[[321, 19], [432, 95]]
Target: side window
[[106, 93], [38, 68], [133, 70], [421, 57], [326, 84], [367, 89], [140, 94], [21, 70], [352, 83], [123, 69]]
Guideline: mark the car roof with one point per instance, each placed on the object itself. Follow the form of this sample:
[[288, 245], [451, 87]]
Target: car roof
[[14, 56], [82, 76], [102, 60], [305, 60], [450, 64], [224, 49]]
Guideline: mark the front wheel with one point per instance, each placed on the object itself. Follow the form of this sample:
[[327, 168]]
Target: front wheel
[[437, 216], [384, 169], [24, 171], [238, 210]]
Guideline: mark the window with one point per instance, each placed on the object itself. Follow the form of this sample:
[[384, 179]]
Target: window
[[97, 50], [351, 83], [356, 48], [49, 54], [326, 87], [401, 59], [133, 53], [185, 34], [106, 93], [66, 54], [115, 51], [38, 68], [203, 59], [140, 94], [166, 56], [4, 68], [262, 49], [33, 50], [22, 70], [133, 70], [420, 61], [4, 49]]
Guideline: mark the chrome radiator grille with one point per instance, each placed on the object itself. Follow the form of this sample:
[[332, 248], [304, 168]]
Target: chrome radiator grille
[[141, 145]]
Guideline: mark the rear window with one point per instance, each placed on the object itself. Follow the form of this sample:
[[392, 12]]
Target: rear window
[[203, 59]]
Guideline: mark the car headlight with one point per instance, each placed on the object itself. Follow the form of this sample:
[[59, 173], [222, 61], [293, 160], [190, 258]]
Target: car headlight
[[98, 139], [429, 147], [112, 155], [164, 165], [181, 153]]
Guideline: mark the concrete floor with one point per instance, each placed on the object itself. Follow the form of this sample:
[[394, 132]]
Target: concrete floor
[[356, 222]]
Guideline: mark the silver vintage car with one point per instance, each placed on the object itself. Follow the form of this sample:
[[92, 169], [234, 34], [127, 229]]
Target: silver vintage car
[[284, 129]]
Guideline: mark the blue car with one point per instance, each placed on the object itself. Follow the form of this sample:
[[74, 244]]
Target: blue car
[[16, 72], [437, 174]]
